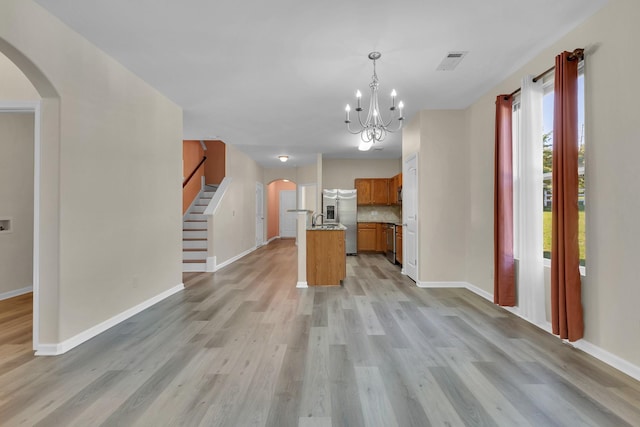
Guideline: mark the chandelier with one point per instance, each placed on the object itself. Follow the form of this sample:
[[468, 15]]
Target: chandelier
[[374, 128]]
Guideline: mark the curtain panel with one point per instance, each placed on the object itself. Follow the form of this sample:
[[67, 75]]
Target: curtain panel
[[530, 248], [504, 292], [566, 304]]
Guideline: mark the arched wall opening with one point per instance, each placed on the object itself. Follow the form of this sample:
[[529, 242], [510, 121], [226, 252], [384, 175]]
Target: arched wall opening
[[46, 189], [279, 223]]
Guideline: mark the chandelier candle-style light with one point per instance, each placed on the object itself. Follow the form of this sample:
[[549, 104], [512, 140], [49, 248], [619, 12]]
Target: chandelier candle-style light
[[374, 128]]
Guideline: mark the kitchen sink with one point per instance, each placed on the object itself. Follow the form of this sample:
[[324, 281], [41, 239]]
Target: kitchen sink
[[326, 227]]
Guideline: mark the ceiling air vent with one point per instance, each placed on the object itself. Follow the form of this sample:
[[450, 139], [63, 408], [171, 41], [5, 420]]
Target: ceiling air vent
[[451, 61]]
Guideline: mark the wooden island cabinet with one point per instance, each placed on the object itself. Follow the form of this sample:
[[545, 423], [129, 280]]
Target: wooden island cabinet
[[326, 257]]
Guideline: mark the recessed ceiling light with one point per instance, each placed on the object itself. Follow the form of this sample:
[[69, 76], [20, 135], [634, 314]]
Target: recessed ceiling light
[[283, 158]]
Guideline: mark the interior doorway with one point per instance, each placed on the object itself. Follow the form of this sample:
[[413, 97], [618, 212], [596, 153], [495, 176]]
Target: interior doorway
[[287, 218], [273, 223]]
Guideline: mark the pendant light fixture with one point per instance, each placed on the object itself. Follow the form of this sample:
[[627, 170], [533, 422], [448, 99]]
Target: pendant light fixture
[[374, 128]]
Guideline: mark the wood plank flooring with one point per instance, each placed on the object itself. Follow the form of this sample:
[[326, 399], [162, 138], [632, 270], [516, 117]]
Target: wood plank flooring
[[244, 347]]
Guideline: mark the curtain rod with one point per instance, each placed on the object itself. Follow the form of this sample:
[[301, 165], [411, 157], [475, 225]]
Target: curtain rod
[[576, 54]]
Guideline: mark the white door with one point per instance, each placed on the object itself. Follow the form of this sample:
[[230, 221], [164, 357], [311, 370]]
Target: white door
[[259, 214], [287, 219], [410, 217]]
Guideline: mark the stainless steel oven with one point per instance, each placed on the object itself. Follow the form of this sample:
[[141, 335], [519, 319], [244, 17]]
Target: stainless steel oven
[[391, 242]]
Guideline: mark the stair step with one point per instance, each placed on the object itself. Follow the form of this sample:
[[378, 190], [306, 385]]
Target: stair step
[[194, 255], [194, 267], [194, 244], [208, 194], [197, 209], [195, 225], [197, 234], [196, 217]]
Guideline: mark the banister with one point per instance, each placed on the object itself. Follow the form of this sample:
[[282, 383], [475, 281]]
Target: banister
[[186, 181]]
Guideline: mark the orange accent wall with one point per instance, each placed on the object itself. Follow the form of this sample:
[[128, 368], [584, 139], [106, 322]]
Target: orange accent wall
[[215, 166], [192, 153], [273, 205]]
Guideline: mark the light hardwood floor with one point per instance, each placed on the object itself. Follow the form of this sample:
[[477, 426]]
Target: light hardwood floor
[[244, 347]]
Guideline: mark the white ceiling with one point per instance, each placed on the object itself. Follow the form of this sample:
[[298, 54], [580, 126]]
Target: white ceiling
[[273, 77]]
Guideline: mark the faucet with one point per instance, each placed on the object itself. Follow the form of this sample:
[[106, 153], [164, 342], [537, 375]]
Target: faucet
[[314, 218]]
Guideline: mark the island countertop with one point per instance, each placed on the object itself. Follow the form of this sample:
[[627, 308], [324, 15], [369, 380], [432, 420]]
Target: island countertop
[[327, 227]]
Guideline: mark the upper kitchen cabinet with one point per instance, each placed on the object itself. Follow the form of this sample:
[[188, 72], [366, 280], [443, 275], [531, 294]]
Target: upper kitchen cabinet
[[372, 191], [395, 185], [363, 187]]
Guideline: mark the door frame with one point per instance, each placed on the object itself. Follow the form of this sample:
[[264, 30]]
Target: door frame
[[259, 214], [405, 175], [35, 108]]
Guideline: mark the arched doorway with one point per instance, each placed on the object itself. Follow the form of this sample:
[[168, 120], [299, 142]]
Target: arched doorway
[[32, 92], [281, 196]]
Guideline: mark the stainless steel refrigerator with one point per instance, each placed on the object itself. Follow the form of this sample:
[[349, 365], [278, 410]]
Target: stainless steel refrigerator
[[340, 206]]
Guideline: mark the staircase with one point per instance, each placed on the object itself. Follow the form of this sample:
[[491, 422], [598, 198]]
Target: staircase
[[194, 232]]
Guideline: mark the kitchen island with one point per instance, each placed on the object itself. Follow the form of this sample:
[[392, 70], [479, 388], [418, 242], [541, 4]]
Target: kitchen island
[[326, 255]]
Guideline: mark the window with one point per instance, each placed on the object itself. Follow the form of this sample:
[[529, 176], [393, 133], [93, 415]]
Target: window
[[547, 146]]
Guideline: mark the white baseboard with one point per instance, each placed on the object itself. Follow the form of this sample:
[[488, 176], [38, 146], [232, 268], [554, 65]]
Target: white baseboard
[[422, 284], [589, 348], [66, 345], [272, 239], [480, 292], [610, 359], [16, 293], [234, 259], [302, 285]]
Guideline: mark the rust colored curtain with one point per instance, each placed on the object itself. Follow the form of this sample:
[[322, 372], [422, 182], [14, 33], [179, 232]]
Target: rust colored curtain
[[504, 288], [566, 305]]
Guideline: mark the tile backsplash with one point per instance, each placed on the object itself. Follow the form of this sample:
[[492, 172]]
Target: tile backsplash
[[380, 214]]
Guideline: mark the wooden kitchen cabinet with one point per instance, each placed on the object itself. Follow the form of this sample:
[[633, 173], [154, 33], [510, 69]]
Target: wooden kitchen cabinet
[[372, 191], [367, 237], [381, 237], [380, 191], [395, 184], [399, 244], [363, 187], [326, 257]]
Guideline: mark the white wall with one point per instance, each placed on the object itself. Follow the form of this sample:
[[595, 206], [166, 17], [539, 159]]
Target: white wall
[[235, 220], [443, 195], [111, 173], [610, 290], [299, 175], [14, 85], [16, 201], [341, 173]]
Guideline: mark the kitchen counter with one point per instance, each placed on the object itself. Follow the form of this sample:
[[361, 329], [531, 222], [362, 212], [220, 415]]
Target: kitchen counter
[[327, 227]]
